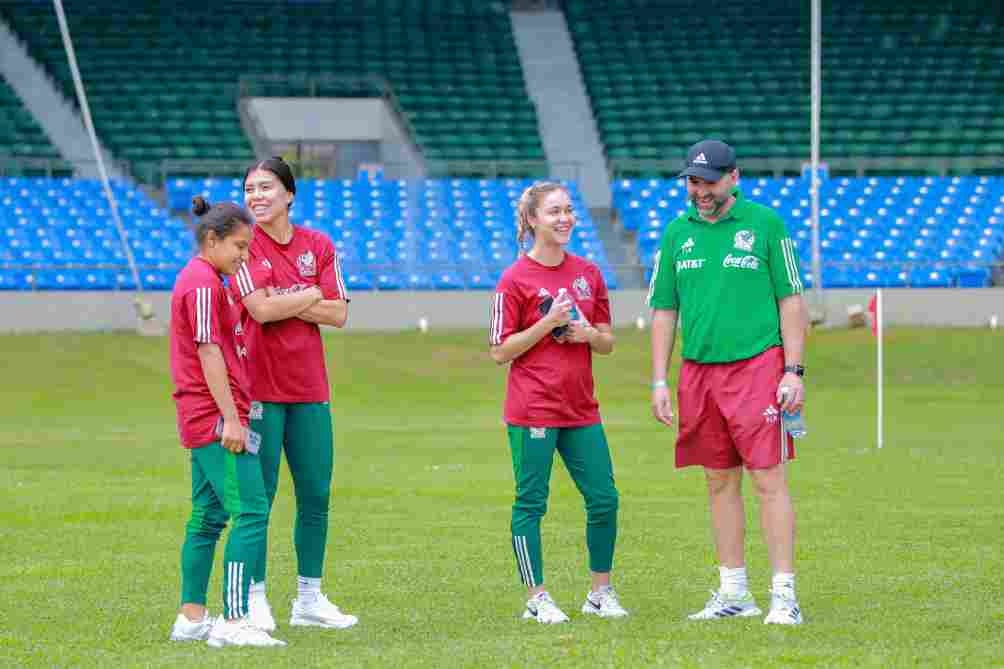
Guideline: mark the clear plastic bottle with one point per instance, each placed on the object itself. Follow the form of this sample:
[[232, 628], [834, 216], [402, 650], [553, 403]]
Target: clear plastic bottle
[[573, 313], [794, 423]]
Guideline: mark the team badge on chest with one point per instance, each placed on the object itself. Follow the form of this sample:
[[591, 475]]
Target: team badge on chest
[[744, 240], [581, 288], [306, 263]]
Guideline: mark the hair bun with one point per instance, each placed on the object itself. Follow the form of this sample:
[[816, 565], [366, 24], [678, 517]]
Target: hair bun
[[200, 205]]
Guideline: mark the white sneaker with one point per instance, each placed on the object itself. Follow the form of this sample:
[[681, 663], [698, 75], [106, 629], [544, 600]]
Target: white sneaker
[[784, 609], [727, 607], [239, 632], [542, 608], [186, 630], [260, 613], [604, 604], [320, 613]]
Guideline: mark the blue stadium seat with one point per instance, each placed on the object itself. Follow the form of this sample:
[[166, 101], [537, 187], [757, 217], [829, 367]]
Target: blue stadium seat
[[50, 279], [359, 281], [891, 220], [448, 281], [389, 281], [482, 280], [11, 280]]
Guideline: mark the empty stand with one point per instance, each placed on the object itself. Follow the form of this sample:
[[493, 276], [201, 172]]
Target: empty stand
[[442, 234], [894, 231], [898, 82], [163, 84], [20, 134]]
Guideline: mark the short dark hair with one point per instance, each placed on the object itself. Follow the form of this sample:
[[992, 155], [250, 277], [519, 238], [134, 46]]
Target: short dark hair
[[277, 166], [220, 219]]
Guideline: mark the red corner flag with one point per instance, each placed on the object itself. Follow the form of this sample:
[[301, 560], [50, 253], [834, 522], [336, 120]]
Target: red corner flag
[[873, 310]]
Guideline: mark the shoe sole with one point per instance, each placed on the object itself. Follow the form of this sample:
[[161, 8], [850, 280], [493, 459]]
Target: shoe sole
[[186, 638], [224, 644], [590, 610], [268, 629], [308, 622], [748, 613], [783, 622], [529, 616]]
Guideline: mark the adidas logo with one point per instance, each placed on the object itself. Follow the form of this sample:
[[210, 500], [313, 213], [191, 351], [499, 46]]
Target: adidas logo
[[688, 245], [770, 415], [701, 159]]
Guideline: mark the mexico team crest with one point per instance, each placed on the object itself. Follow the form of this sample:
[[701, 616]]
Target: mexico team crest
[[581, 288], [745, 240], [306, 263]]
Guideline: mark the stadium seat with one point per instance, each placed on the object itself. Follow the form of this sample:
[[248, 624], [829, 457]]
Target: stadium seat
[[869, 227], [890, 85], [453, 68]]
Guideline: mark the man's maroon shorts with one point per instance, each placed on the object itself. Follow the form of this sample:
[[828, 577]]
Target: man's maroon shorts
[[729, 415]]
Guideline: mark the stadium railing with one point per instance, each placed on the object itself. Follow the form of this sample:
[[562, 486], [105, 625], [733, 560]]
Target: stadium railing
[[22, 166], [485, 169], [779, 167]]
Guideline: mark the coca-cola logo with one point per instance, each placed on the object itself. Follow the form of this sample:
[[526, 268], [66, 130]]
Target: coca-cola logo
[[742, 262]]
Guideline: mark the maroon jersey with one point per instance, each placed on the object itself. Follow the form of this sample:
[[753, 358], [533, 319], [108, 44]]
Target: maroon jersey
[[550, 385], [204, 312], [288, 355]]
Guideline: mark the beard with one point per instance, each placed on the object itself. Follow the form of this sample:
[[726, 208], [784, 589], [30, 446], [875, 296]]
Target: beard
[[716, 204]]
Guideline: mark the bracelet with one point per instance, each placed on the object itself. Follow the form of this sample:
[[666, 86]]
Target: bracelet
[[659, 384]]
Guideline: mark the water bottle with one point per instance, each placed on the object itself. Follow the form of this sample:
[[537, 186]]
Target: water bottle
[[793, 423], [573, 313]]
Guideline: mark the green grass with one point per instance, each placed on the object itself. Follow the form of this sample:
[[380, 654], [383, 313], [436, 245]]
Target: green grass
[[899, 553]]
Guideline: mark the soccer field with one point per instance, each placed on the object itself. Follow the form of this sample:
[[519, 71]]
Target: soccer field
[[899, 556]]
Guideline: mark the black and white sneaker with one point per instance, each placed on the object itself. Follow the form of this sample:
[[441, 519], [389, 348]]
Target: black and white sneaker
[[604, 603]]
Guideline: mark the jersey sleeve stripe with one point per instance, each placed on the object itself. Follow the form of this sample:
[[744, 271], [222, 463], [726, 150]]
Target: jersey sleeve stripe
[[244, 282], [496, 324], [340, 279], [655, 277], [203, 315], [791, 265]]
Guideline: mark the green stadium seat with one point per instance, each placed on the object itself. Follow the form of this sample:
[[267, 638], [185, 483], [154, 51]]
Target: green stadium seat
[[889, 89], [454, 57]]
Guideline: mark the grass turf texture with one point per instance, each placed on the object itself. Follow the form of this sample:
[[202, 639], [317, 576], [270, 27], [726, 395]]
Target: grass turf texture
[[899, 552]]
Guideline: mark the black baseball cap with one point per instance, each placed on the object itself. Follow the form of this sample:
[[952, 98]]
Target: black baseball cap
[[709, 159]]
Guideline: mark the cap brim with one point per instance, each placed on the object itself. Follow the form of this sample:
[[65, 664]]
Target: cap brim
[[705, 173]]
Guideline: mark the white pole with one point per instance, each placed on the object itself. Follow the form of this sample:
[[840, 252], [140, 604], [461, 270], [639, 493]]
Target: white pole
[[143, 308], [816, 102], [879, 326]]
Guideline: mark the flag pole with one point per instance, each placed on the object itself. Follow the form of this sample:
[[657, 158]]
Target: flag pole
[[879, 326]]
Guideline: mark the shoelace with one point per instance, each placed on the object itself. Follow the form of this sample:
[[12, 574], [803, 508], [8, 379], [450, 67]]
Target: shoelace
[[782, 600], [609, 598], [716, 601], [544, 600]]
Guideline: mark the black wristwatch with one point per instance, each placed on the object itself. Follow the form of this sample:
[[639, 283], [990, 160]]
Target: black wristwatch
[[797, 370]]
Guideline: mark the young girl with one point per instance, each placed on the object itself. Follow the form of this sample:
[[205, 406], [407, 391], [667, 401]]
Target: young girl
[[211, 395], [549, 315], [289, 382]]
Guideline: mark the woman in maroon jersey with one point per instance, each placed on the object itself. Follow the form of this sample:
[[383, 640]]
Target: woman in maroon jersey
[[289, 381], [211, 395], [550, 313]]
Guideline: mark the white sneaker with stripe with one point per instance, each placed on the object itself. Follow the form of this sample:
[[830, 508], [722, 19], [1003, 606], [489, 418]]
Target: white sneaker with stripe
[[320, 613], [720, 606], [186, 630], [603, 603], [784, 609], [542, 608], [239, 632]]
